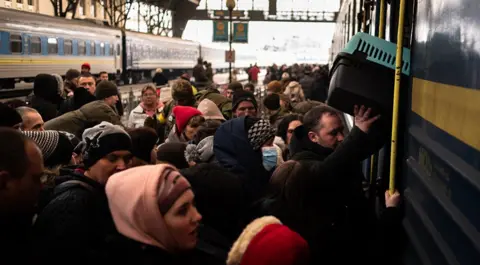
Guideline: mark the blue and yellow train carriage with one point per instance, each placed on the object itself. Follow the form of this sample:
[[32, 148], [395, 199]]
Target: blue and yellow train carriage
[[31, 44], [438, 144]]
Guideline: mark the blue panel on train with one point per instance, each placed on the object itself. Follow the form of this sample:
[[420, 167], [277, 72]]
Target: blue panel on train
[[363, 74]]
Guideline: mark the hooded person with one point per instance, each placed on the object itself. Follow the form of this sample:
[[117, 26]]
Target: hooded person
[[266, 241], [210, 111], [46, 96], [153, 209], [9, 117], [223, 104], [295, 92], [244, 146], [87, 222]]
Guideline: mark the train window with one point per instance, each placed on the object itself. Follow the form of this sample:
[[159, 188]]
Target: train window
[[81, 47], [35, 45], [67, 47], [92, 48], [16, 43], [102, 48], [52, 46], [111, 51], [118, 49]]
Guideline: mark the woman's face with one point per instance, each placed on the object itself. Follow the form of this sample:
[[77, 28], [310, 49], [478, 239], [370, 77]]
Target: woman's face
[[291, 127], [182, 221], [149, 97]]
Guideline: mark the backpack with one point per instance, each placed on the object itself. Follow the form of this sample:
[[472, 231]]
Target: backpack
[[48, 194]]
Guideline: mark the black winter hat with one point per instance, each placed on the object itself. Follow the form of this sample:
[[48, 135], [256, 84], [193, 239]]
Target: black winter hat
[[173, 153], [242, 95], [272, 102], [102, 140], [105, 89], [143, 141], [9, 117]]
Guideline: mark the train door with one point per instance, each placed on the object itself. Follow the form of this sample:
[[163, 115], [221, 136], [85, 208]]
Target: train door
[[117, 53]]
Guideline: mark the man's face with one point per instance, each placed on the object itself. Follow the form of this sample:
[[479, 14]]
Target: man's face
[[329, 133], [88, 83], [85, 70], [32, 121], [104, 77], [112, 163], [229, 93], [19, 194], [245, 108]]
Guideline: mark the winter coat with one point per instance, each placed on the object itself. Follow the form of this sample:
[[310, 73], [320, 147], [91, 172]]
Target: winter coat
[[235, 153], [138, 116], [77, 121], [75, 223], [45, 108]]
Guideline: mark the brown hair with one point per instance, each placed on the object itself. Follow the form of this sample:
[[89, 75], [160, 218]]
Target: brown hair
[[149, 87], [196, 121]]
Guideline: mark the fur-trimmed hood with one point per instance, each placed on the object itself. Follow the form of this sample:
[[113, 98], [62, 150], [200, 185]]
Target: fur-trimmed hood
[[240, 246], [266, 241]]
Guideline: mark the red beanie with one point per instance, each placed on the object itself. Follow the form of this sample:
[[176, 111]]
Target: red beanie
[[182, 115], [86, 65], [276, 244]]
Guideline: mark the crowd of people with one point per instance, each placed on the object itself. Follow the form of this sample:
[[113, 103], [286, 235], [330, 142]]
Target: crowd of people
[[208, 177]]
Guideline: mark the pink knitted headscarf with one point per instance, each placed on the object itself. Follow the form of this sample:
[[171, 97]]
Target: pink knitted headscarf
[[140, 197]]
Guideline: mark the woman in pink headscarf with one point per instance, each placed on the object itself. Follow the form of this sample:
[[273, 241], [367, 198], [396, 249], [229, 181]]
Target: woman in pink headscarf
[[153, 206]]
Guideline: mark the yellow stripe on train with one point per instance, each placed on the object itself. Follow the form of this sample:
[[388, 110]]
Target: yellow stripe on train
[[453, 109]]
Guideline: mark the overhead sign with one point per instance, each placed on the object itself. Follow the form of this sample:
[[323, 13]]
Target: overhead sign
[[220, 31], [240, 32], [226, 13], [230, 56]]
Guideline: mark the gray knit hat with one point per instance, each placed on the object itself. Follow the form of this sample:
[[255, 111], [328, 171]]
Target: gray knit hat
[[103, 139]]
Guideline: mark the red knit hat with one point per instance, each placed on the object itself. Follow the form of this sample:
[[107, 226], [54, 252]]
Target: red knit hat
[[86, 65], [182, 115], [276, 244]]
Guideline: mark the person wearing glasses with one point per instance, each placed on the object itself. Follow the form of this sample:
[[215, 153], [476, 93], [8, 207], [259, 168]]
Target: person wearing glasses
[[148, 107]]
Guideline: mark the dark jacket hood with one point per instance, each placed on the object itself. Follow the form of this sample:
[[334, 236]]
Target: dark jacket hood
[[234, 152]]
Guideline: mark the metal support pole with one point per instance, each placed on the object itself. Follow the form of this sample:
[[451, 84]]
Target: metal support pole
[[230, 40]]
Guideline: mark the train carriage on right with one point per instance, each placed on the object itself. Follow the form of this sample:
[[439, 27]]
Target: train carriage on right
[[438, 147]]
